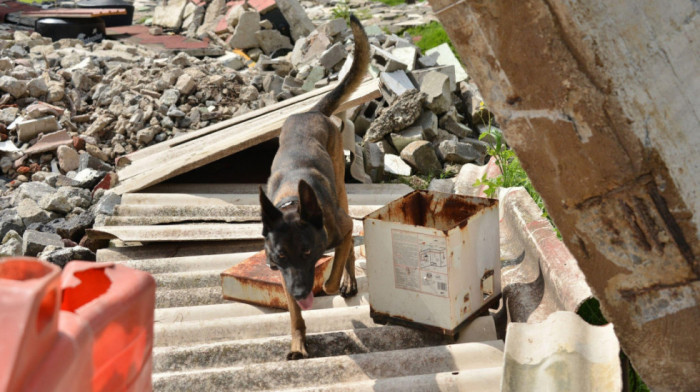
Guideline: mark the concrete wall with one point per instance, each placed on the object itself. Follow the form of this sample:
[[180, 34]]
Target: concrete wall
[[601, 100]]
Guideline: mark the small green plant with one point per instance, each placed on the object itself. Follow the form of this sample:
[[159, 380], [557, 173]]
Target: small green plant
[[512, 173], [342, 10], [431, 35]]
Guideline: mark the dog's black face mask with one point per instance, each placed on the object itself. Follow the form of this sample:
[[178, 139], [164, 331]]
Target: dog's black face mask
[[294, 240]]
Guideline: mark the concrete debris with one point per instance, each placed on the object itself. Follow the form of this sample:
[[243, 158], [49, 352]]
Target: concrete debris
[[34, 242], [70, 110]]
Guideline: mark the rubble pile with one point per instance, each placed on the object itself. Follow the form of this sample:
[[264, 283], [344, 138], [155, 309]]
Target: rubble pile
[[69, 110]]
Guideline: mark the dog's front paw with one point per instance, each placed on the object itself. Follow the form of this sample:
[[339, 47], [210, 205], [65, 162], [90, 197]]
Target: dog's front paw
[[296, 355], [330, 288], [348, 288]]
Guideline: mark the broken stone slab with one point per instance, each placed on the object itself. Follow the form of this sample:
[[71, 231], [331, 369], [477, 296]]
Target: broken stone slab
[[12, 86], [332, 56], [30, 212], [50, 142], [436, 87], [393, 164], [107, 203], [446, 185], [244, 35], [87, 178], [458, 152], [312, 78], [62, 256], [393, 84], [170, 15], [10, 221], [401, 114], [449, 70], [386, 61], [185, 84], [74, 227], [333, 27], [272, 40], [446, 57], [11, 244], [422, 157], [406, 55], [406, 137], [299, 23], [34, 242], [68, 159], [33, 190], [29, 129], [65, 199], [374, 161], [232, 60]]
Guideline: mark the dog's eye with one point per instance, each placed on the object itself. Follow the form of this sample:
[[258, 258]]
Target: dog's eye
[[281, 255], [307, 252]]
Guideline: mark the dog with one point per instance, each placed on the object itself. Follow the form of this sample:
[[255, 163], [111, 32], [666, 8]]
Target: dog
[[307, 209]]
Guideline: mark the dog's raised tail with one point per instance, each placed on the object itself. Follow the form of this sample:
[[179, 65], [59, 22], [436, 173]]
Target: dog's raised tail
[[354, 77]]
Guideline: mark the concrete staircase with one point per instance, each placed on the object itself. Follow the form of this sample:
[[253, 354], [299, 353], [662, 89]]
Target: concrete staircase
[[203, 343]]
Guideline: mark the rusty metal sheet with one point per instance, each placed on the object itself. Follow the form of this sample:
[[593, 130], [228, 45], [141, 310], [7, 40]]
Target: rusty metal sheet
[[561, 353], [252, 281]]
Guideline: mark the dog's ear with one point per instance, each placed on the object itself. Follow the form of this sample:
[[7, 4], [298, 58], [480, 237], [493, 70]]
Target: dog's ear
[[269, 213], [309, 209]]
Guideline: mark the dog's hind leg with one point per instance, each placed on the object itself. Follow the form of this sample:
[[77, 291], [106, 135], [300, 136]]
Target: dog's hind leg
[[349, 286], [298, 348]]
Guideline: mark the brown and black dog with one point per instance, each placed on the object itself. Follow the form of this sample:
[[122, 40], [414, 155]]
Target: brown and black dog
[[307, 209]]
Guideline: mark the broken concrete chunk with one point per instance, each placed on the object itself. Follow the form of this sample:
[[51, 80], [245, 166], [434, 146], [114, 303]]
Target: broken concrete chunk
[[29, 129], [332, 56], [232, 60], [402, 113], [449, 70], [171, 15], [394, 84], [422, 157], [30, 212], [446, 57], [313, 77], [299, 23], [14, 87], [61, 257], [271, 40], [445, 185], [35, 241], [458, 152], [386, 61], [374, 161], [11, 244], [406, 55], [34, 191], [67, 158], [333, 27], [393, 164], [406, 137], [244, 35], [436, 87], [37, 87], [185, 84]]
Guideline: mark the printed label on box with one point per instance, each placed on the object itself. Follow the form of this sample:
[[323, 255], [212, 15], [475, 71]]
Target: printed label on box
[[420, 262]]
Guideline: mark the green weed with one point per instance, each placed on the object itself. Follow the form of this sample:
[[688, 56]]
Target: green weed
[[342, 10], [432, 35]]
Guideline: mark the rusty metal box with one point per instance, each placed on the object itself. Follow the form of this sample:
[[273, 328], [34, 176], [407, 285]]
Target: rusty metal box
[[252, 281], [432, 260]]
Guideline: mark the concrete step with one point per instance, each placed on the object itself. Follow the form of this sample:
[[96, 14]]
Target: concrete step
[[192, 263], [243, 352], [189, 297], [478, 380], [338, 369], [266, 325], [188, 280], [239, 309]]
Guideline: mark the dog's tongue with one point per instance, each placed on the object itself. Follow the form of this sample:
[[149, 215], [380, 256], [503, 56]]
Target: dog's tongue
[[306, 303]]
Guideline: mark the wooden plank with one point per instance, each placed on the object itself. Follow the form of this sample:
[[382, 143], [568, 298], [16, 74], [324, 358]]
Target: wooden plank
[[176, 199], [201, 151], [85, 13], [187, 232], [140, 154]]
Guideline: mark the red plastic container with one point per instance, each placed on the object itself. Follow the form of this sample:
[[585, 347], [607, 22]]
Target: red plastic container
[[29, 308], [100, 340]]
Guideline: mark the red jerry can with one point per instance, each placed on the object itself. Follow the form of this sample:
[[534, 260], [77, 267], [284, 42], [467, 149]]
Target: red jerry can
[[29, 311], [117, 303]]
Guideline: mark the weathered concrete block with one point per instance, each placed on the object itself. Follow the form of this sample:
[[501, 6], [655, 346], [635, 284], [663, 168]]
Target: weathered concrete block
[[33, 242], [446, 57], [458, 152], [332, 56], [299, 23], [244, 35], [436, 87], [393, 84], [29, 129], [271, 40], [422, 157], [393, 164]]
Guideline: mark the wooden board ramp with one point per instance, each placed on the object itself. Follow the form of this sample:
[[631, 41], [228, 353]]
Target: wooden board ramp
[[155, 164]]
